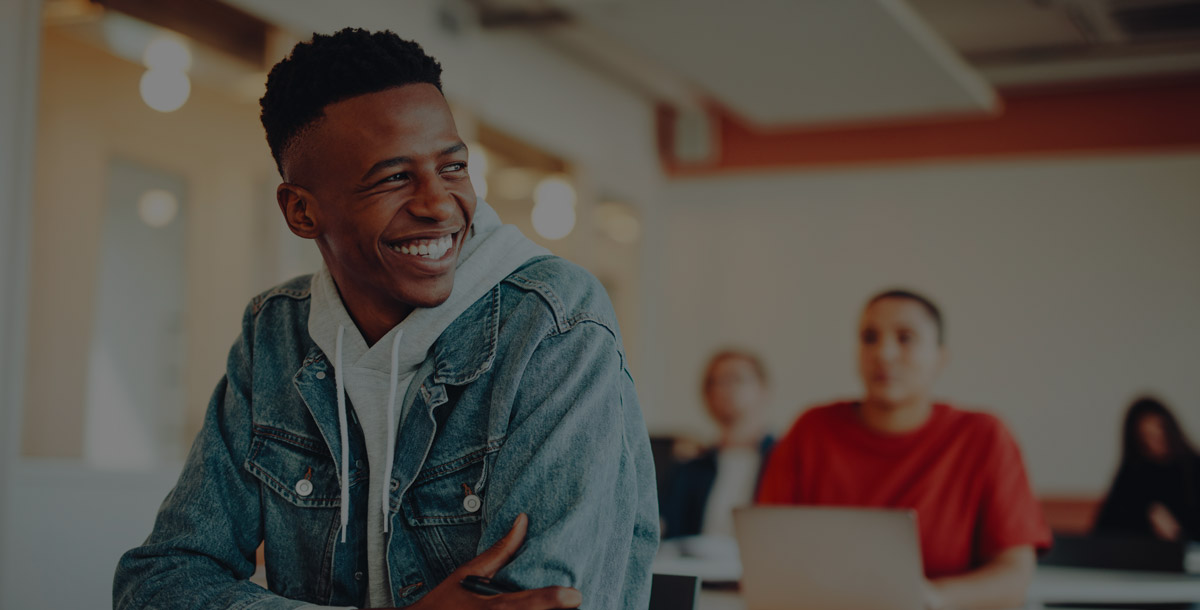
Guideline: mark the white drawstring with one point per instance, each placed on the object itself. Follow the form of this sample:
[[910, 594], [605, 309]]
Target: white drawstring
[[341, 396], [391, 429]]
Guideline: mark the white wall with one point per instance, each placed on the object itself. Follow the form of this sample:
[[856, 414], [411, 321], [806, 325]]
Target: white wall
[[19, 34], [1068, 286]]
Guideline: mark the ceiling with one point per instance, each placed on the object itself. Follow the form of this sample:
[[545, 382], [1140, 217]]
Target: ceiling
[[818, 62], [789, 63]]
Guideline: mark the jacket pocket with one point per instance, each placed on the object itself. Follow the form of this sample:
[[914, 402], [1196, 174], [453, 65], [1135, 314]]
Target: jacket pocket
[[295, 467], [450, 493], [444, 508]]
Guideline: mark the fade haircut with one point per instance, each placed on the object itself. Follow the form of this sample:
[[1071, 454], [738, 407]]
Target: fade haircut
[[926, 304], [332, 68]]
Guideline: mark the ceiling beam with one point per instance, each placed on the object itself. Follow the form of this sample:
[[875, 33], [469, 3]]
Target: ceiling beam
[[209, 22]]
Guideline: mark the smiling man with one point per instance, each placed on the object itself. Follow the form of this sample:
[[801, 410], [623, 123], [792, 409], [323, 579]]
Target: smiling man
[[442, 399]]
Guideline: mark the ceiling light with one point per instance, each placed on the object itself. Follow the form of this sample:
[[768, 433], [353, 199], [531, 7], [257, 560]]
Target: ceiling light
[[554, 208], [165, 90], [158, 208], [167, 52], [619, 222], [477, 168]]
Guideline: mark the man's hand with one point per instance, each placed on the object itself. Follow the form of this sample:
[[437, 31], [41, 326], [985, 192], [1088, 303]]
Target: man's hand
[[1164, 523], [450, 593]]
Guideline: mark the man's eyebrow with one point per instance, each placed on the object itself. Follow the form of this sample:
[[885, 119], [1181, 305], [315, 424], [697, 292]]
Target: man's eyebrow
[[394, 161]]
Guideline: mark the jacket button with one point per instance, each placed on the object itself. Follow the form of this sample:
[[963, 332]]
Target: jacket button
[[472, 503], [304, 487], [321, 375], [395, 484], [358, 576]]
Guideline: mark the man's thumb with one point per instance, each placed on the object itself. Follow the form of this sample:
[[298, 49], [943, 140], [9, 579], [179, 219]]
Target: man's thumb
[[490, 561]]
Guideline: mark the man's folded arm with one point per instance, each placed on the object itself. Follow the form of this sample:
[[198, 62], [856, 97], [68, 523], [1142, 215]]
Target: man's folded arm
[[577, 460]]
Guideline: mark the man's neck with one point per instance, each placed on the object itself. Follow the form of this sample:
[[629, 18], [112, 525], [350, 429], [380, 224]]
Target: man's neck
[[373, 321], [895, 418]]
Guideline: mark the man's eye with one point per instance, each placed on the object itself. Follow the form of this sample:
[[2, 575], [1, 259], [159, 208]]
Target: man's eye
[[455, 167], [397, 177]]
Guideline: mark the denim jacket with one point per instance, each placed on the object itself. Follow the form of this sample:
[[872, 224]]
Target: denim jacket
[[524, 402]]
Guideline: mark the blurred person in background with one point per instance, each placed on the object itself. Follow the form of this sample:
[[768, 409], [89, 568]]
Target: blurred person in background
[[1156, 491], [442, 400], [704, 491], [962, 471]]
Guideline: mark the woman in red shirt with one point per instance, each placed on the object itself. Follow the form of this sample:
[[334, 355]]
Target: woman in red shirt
[[961, 471]]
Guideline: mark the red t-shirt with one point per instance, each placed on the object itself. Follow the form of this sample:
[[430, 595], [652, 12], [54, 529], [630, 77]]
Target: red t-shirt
[[961, 471]]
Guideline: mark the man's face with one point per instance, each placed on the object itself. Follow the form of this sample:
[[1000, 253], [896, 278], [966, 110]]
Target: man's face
[[899, 357], [392, 200]]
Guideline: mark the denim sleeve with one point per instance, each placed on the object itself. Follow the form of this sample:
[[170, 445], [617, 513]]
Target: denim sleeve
[[200, 553], [577, 460]]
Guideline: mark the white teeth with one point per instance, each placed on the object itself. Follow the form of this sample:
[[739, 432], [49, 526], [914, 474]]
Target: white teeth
[[434, 249]]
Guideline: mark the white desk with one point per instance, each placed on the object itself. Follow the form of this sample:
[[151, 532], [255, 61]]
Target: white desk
[[1086, 586], [1058, 585]]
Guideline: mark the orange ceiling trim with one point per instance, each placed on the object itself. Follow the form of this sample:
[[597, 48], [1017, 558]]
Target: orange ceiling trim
[[1146, 116]]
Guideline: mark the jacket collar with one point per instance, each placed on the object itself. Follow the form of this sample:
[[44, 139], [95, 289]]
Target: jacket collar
[[464, 351], [467, 348], [461, 354]]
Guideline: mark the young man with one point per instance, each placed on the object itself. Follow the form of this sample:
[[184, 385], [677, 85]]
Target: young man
[[384, 422], [979, 521]]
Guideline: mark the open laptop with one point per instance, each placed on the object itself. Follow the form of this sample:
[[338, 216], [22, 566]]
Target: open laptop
[[829, 558]]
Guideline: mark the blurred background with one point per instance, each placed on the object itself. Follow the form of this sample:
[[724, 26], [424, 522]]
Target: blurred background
[[736, 174]]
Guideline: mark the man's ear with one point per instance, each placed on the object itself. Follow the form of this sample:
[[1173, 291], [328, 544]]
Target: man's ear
[[296, 203]]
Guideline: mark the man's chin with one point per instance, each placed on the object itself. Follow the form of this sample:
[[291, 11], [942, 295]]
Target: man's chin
[[889, 401], [426, 299]]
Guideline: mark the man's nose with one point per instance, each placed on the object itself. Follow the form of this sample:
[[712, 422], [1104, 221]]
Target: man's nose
[[433, 202], [888, 350]]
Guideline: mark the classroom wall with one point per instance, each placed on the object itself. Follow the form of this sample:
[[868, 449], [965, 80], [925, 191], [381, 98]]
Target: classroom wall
[[18, 77], [1069, 285]]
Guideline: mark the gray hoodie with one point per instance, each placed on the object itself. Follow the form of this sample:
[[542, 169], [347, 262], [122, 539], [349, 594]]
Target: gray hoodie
[[376, 378]]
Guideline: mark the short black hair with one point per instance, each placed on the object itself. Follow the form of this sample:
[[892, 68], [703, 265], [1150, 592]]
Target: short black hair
[[926, 304], [336, 67]]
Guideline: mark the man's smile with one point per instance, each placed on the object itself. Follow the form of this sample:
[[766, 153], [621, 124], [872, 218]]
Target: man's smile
[[433, 248], [433, 253]]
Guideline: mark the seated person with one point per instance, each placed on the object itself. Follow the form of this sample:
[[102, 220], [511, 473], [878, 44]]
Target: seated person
[[1156, 492], [440, 395], [704, 491], [895, 448]]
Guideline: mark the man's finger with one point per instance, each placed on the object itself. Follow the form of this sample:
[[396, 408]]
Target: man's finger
[[548, 598], [490, 561]]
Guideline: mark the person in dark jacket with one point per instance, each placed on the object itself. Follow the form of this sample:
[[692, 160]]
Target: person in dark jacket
[[1156, 492], [704, 491]]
